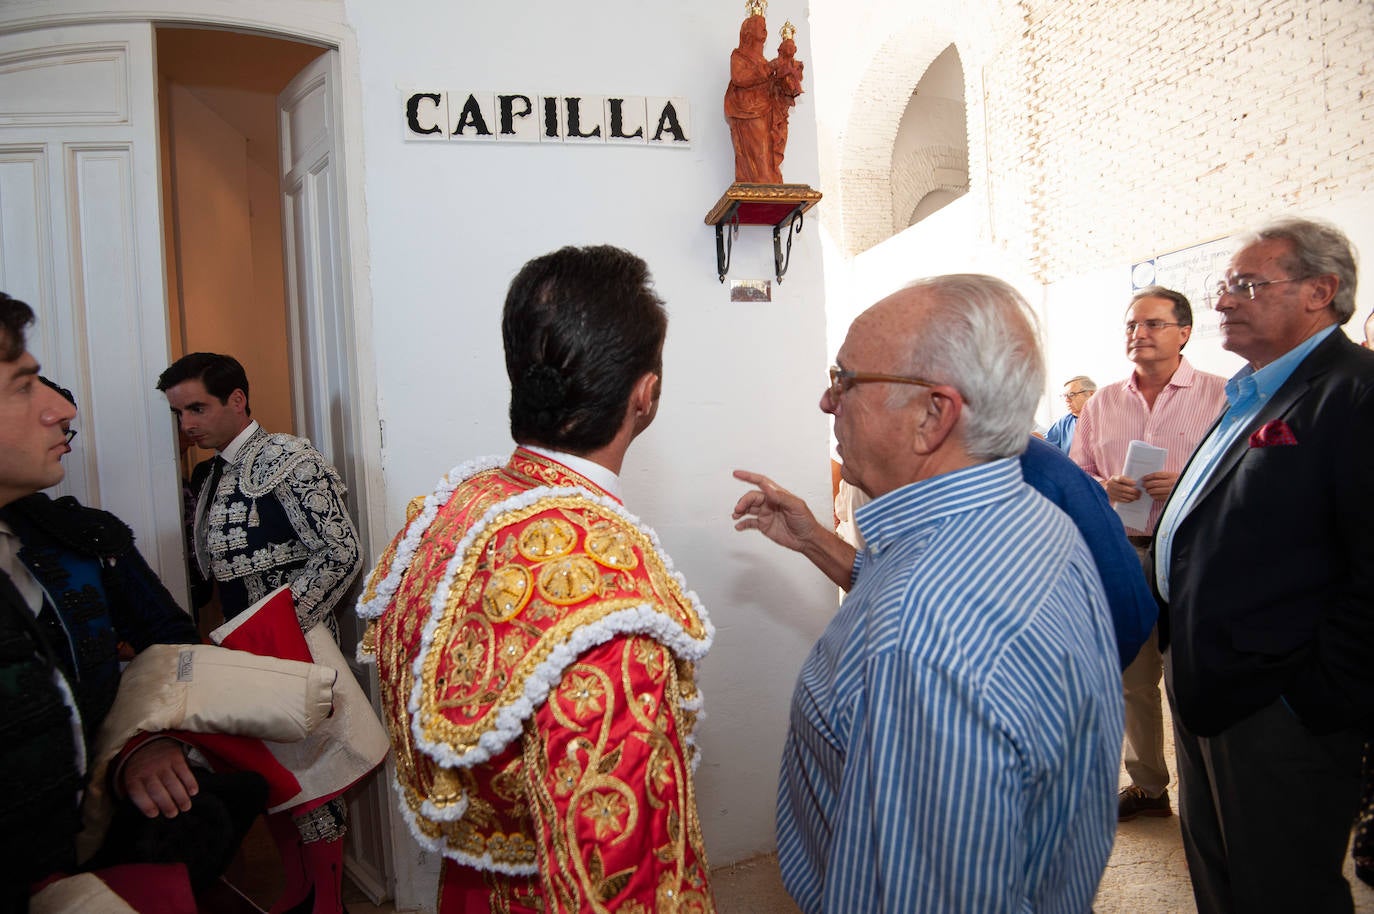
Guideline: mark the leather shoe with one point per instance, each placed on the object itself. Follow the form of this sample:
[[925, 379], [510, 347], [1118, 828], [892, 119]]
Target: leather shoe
[[1133, 801]]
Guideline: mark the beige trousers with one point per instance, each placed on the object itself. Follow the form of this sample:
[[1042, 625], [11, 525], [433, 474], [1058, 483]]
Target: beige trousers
[[1144, 746]]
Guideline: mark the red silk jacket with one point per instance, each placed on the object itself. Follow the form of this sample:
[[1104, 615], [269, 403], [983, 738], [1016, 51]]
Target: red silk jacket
[[536, 656]]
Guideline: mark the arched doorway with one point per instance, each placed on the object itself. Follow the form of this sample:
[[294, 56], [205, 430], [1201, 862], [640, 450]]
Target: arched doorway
[[87, 244]]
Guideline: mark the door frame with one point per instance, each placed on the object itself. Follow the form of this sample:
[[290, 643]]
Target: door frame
[[312, 21], [320, 22]]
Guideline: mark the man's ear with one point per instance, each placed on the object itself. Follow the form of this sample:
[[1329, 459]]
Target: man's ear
[[1322, 290], [939, 415], [237, 400], [644, 395], [643, 405]]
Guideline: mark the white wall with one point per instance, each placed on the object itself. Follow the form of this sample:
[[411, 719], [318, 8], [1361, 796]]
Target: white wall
[[449, 225], [1081, 160], [1081, 316], [1084, 314], [228, 253]]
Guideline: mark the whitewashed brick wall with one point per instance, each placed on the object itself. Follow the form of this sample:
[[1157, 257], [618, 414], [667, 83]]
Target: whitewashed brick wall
[[921, 171], [1100, 132]]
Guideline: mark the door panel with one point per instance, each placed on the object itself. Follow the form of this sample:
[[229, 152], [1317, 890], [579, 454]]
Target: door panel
[[83, 245], [326, 383]]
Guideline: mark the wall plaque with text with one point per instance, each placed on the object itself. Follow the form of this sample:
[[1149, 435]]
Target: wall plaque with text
[[528, 117]]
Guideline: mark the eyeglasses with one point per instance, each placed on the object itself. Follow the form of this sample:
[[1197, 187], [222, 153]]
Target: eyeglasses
[[841, 379], [1239, 288], [1151, 325], [1076, 393], [70, 434]]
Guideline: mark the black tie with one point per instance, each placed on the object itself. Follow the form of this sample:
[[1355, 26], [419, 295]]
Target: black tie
[[216, 471]]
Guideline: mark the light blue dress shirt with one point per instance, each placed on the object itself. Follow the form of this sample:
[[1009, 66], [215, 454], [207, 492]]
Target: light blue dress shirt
[[1061, 433], [956, 732], [1246, 393]]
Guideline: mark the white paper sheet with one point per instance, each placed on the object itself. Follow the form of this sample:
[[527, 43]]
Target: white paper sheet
[[1141, 459]]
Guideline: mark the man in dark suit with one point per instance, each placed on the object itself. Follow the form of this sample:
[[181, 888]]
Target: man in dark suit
[[1265, 566]]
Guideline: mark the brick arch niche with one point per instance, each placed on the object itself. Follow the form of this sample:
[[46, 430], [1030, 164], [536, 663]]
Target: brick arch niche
[[900, 144], [930, 152]]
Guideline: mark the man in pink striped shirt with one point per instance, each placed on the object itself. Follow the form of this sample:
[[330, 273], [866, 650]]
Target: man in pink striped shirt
[[1171, 405]]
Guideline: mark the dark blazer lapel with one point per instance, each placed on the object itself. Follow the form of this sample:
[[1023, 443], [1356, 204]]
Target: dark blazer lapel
[[1293, 390]]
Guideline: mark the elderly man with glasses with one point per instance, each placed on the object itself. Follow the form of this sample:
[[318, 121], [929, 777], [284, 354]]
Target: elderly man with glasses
[[1078, 391], [1169, 404], [956, 731], [1264, 561]]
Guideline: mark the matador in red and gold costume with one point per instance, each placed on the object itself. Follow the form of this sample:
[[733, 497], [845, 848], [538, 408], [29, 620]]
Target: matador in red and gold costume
[[536, 652]]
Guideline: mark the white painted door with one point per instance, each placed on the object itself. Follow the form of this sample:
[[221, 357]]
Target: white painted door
[[317, 288], [325, 379], [81, 241]]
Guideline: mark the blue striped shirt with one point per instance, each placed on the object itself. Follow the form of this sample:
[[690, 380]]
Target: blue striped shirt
[[956, 732]]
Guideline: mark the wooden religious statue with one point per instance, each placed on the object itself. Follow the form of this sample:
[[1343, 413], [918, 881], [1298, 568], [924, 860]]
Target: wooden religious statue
[[758, 103], [749, 102], [786, 72], [760, 98]]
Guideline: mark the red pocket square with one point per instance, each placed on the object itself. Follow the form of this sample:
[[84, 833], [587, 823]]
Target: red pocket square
[[1272, 434]]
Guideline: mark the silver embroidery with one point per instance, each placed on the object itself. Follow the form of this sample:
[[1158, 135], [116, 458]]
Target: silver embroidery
[[322, 557]]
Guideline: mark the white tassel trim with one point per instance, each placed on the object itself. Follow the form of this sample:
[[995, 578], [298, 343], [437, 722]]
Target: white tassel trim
[[439, 846], [641, 620], [508, 725], [451, 813], [416, 530]]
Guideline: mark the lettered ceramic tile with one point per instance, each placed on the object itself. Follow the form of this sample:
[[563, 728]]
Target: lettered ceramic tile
[[584, 119], [518, 117], [669, 121], [550, 119], [472, 116], [424, 115], [625, 121]]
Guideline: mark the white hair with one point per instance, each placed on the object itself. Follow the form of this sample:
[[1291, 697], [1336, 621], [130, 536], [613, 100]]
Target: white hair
[[1318, 249], [980, 337]]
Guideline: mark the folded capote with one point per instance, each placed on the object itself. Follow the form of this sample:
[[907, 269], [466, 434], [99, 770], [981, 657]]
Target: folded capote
[[202, 688]]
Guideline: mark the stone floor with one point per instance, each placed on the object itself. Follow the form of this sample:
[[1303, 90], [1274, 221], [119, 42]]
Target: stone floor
[[1146, 875]]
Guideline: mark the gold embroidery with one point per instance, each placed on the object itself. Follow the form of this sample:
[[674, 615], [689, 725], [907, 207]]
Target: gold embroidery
[[446, 788], [569, 580], [507, 592], [566, 776], [474, 591], [480, 812], [583, 806], [651, 655], [607, 887], [652, 584], [585, 692], [509, 786], [476, 664], [605, 810], [611, 547], [660, 773], [541, 611], [511, 650], [547, 538], [466, 657]]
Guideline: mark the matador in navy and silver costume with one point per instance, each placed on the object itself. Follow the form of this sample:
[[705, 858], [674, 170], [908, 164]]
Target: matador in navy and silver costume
[[275, 515]]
